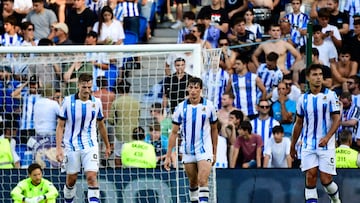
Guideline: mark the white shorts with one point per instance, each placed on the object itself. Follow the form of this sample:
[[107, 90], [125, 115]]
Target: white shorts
[[88, 158], [189, 158], [324, 159]]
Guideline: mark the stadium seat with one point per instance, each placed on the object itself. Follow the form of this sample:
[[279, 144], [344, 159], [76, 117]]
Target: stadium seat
[[130, 38], [142, 30]]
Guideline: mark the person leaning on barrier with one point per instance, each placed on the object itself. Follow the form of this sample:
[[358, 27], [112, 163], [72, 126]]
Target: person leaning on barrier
[[345, 156], [35, 188], [8, 156], [138, 153]]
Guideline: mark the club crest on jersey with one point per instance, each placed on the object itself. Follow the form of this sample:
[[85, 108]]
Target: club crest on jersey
[[204, 109], [324, 98]]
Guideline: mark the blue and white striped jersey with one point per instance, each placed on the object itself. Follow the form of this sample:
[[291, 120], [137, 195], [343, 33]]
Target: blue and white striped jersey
[[316, 111], [270, 78], [130, 9], [194, 122], [245, 91], [264, 128], [27, 114], [80, 122], [299, 20], [216, 84], [96, 6]]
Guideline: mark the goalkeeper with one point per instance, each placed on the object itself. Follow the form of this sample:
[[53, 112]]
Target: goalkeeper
[[35, 188]]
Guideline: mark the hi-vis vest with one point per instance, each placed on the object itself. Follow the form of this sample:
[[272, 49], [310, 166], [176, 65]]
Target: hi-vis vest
[[6, 159], [346, 158]]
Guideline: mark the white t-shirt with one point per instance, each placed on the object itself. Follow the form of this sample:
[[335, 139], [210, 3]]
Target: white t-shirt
[[45, 116], [114, 31], [277, 152]]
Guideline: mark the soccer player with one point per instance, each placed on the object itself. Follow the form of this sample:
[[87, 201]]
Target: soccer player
[[35, 188], [77, 125], [318, 117], [197, 118]]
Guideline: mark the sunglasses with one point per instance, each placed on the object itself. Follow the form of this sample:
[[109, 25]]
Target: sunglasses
[[264, 107], [223, 44], [30, 29]]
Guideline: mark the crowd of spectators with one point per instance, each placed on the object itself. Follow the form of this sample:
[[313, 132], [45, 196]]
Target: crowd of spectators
[[255, 89]]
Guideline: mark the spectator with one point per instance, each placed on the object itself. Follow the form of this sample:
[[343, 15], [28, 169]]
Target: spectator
[[10, 37], [27, 30], [124, 116], [174, 90], [252, 26], [131, 16], [264, 123], [43, 144], [350, 117], [95, 6], [42, 18], [35, 188], [338, 18], [235, 9], [327, 51], [331, 32], [189, 21], [27, 128], [352, 8], [269, 73], [292, 91], [342, 70], [199, 30], [9, 10], [80, 21], [211, 33], [345, 156], [278, 46], [179, 12], [243, 85], [61, 32], [353, 83], [157, 113], [284, 109], [159, 141], [109, 30], [247, 145], [23, 7], [227, 100], [9, 157], [218, 16], [138, 153], [298, 19], [277, 150], [354, 42]]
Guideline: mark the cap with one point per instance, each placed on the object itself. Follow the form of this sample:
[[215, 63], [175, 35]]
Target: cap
[[33, 79], [62, 26]]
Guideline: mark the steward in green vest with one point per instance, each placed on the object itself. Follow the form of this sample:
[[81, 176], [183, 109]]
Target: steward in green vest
[[345, 156], [138, 153], [8, 157]]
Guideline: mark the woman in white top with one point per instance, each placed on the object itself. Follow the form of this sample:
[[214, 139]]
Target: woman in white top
[[198, 31], [251, 26], [109, 30]]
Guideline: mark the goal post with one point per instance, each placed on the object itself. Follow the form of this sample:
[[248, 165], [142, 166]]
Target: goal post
[[116, 184]]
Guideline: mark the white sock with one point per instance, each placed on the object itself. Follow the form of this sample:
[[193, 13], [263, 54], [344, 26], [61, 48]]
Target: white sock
[[194, 194], [311, 194], [204, 194], [69, 193], [332, 190], [93, 194]]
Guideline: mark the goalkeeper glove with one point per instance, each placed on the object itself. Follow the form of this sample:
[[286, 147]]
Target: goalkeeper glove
[[30, 200]]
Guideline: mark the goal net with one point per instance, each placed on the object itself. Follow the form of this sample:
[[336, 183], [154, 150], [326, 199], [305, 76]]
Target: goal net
[[56, 69]]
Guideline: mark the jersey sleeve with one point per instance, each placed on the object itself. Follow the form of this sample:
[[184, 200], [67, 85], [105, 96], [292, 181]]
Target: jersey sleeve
[[100, 114], [299, 107], [16, 193], [213, 116], [63, 109], [52, 192], [178, 114], [334, 103]]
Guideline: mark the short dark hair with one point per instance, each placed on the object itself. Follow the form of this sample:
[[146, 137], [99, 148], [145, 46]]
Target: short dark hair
[[26, 24], [33, 167], [315, 51], [157, 107], [277, 129], [85, 77], [357, 22], [346, 95], [246, 125], [356, 79], [155, 126], [313, 67], [345, 136], [38, 1], [323, 13], [45, 42], [317, 28], [244, 59], [179, 59], [272, 56], [195, 80], [288, 76], [230, 94], [101, 82], [189, 14], [123, 87], [190, 37], [238, 114], [138, 133], [201, 28], [92, 34], [10, 19]]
